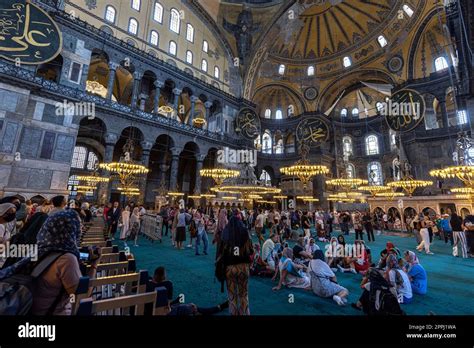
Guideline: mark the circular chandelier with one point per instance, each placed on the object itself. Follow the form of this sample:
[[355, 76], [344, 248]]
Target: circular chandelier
[[304, 171], [347, 183], [92, 178], [247, 190], [86, 187], [280, 197], [409, 184], [463, 173], [466, 190], [124, 168], [375, 189], [219, 174], [390, 194]]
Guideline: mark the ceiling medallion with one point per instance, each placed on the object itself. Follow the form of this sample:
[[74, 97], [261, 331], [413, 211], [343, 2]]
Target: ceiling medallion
[[404, 110], [247, 123], [311, 93], [312, 131], [395, 64]]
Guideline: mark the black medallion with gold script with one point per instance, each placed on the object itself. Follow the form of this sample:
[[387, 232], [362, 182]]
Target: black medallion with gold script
[[247, 123], [404, 111], [28, 35], [313, 131]]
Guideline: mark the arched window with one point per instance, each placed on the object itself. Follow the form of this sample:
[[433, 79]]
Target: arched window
[[133, 26], [344, 112], [92, 160], [290, 110], [408, 10], [189, 57], [462, 117], [347, 62], [393, 139], [217, 72], [110, 14], [175, 20], [290, 144], [375, 173], [189, 33], [79, 157], [382, 41], [441, 64], [205, 46], [266, 178], [350, 170], [172, 48], [397, 175], [154, 37], [71, 185], [136, 5], [281, 69], [278, 115], [347, 148], [279, 146], [355, 112], [158, 12], [311, 70], [371, 145], [204, 65], [266, 143], [268, 113]]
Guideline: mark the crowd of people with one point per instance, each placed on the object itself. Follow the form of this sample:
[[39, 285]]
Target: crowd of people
[[248, 243]]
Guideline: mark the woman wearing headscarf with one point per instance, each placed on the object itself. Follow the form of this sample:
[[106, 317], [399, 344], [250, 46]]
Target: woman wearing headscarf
[[416, 274], [59, 233], [398, 279], [324, 281], [292, 274], [234, 251], [125, 223], [221, 224], [134, 225]]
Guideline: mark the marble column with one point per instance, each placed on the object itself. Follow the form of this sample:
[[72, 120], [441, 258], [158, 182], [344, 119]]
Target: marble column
[[110, 84], [208, 105], [194, 99], [136, 88], [177, 92], [104, 187], [159, 85], [142, 101], [199, 163], [146, 149], [174, 168]]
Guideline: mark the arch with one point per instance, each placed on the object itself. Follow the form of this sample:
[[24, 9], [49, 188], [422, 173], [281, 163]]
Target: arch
[[267, 142], [110, 14], [409, 212], [278, 96], [347, 146], [187, 167], [379, 210], [175, 21], [375, 173], [371, 145], [290, 143], [136, 135]]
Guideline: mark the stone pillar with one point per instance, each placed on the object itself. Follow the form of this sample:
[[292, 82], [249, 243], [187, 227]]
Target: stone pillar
[[199, 163], [136, 88], [104, 187], [444, 112], [146, 149], [142, 101], [159, 85], [208, 105], [110, 84], [194, 99], [174, 168], [177, 92]]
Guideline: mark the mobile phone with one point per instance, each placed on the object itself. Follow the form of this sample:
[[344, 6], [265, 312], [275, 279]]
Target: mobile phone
[[84, 256]]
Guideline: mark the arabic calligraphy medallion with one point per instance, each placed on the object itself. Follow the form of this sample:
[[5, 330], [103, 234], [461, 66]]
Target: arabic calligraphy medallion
[[313, 131], [248, 123]]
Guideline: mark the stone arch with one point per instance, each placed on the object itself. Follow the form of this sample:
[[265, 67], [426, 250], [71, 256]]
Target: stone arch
[[137, 137]]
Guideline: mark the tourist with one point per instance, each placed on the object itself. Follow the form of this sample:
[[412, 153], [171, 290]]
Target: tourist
[[425, 235], [368, 225], [468, 226], [324, 281], [445, 227], [306, 225], [292, 274], [164, 213], [201, 233], [134, 225], [311, 247], [10, 227], [175, 307], [357, 222], [361, 260], [416, 274], [105, 215], [385, 221], [182, 220], [235, 266], [398, 279], [7, 215], [268, 249], [54, 287], [125, 223], [459, 237], [416, 228], [344, 220], [299, 252], [113, 217], [259, 226], [222, 221]]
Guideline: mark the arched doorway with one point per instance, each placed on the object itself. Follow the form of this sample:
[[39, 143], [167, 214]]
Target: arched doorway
[[187, 168]]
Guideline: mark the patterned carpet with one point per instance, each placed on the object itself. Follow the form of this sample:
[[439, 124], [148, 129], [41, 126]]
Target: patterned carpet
[[450, 281]]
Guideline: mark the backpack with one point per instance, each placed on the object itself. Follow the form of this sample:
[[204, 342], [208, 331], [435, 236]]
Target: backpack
[[384, 302], [17, 284]]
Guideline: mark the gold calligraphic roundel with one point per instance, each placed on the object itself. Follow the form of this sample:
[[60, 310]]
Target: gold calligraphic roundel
[[404, 110], [28, 35], [313, 131], [247, 123]]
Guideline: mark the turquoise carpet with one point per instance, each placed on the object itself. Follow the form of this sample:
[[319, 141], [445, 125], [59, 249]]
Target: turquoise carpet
[[450, 281]]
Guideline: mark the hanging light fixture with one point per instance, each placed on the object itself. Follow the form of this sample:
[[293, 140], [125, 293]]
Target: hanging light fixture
[[219, 174]]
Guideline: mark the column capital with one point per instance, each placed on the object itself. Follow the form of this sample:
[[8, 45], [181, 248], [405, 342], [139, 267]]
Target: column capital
[[200, 158], [158, 84], [111, 138], [194, 99], [208, 104], [175, 151], [146, 145], [113, 65], [137, 75], [177, 91]]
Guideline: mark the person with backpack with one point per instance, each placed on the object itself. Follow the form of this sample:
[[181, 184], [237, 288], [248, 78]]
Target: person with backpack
[[398, 279], [233, 258], [59, 234]]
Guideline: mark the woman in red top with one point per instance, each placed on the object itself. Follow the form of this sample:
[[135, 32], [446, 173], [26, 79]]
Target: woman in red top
[[362, 262]]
